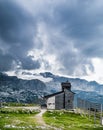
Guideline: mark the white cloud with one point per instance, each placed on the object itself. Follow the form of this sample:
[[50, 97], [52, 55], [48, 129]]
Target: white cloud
[[98, 71]]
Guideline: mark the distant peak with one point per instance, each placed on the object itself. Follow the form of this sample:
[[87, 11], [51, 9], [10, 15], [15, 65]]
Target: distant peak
[[47, 74], [2, 73]]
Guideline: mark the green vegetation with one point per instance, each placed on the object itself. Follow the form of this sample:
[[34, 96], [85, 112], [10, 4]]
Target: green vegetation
[[14, 110], [17, 104], [17, 119], [24, 118], [71, 121]]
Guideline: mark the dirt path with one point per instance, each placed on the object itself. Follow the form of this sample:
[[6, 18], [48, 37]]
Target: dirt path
[[39, 118], [41, 123]]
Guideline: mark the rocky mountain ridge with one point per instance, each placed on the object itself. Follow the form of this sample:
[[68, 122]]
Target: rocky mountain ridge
[[77, 84], [84, 89], [13, 89]]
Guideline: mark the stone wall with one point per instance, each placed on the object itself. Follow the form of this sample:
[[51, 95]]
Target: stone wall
[[69, 99], [64, 100], [59, 101]]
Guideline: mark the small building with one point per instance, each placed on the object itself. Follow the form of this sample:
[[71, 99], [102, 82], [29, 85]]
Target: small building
[[61, 100]]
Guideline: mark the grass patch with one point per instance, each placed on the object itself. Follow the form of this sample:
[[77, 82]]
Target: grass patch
[[18, 104], [70, 121], [17, 119], [14, 110]]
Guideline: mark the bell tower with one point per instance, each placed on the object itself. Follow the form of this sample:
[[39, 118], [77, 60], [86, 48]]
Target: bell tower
[[66, 85]]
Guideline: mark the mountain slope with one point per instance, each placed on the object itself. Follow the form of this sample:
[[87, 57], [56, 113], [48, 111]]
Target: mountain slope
[[77, 84], [13, 89], [91, 91]]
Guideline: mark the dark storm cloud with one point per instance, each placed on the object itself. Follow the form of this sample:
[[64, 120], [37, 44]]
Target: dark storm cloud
[[12, 20], [16, 32], [28, 64], [83, 22], [71, 30], [79, 25], [5, 62]]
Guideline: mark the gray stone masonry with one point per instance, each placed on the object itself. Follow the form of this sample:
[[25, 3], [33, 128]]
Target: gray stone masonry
[[59, 101]]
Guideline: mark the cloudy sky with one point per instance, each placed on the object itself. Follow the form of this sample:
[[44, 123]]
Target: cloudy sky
[[61, 36]]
